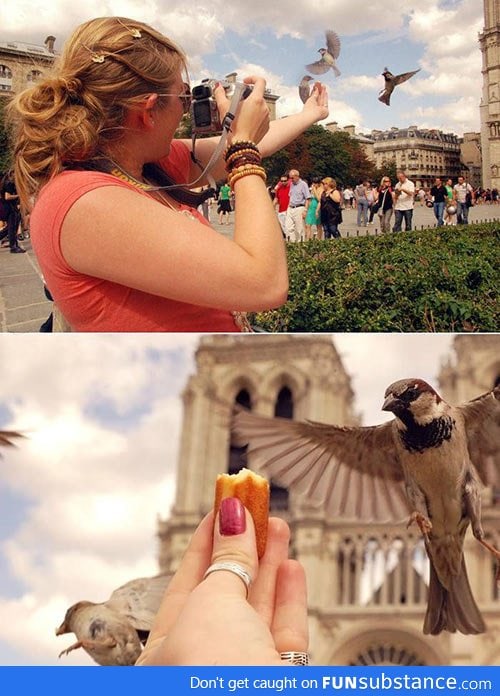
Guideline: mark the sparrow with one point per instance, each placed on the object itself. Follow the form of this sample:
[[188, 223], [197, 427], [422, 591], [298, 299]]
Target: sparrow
[[328, 56], [391, 81], [7, 438], [429, 462], [114, 632], [304, 88]]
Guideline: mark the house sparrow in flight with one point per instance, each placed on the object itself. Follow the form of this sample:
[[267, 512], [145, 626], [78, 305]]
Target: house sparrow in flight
[[428, 462], [304, 88], [113, 632], [391, 81], [7, 438], [328, 56]]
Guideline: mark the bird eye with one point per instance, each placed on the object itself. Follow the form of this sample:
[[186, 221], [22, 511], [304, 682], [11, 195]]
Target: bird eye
[[410, 394]]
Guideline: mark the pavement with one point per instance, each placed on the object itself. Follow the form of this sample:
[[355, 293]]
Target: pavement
[[24, 307]]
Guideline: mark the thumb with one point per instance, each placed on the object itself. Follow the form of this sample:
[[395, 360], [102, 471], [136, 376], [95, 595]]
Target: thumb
[[234, 543]]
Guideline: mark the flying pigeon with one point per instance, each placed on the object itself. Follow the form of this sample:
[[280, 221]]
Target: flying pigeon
[[328, 56], [391, 81]]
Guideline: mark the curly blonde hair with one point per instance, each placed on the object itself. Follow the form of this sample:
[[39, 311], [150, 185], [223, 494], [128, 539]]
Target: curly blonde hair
[[72, 114]]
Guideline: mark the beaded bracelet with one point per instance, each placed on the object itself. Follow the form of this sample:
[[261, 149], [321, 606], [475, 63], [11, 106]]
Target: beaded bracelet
[[250, 154], [246, 170], [238, 145], [237, 161]]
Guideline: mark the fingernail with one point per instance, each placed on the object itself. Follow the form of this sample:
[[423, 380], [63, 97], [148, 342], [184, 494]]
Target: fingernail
[[232, 519]]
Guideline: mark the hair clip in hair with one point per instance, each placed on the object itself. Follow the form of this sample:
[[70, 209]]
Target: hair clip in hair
[[97, 58], [134, 32]]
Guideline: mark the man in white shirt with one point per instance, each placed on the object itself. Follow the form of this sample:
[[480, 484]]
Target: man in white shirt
[[461, 190], [404, 192]]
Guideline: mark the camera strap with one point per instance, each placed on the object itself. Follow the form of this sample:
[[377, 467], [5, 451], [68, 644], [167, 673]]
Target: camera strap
[[226, 127]]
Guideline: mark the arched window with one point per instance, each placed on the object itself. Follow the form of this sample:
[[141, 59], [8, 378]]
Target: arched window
[[5, 79], [283, 409], [386, 655], [238, 455]]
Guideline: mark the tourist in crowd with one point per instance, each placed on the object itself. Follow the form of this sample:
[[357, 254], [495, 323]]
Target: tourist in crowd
[[361, 203], [282, 199], [331, 208], [313, 211], [297, 207], [464, 198], [404, 193], [385, 203], [439, 196]]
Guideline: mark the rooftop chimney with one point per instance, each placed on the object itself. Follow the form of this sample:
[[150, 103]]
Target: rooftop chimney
[[49, 43]]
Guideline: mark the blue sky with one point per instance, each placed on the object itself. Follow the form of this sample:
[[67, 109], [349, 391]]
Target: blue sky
[[276, 40], [81, 495]]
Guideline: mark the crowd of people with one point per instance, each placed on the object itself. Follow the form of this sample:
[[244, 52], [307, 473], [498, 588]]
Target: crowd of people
[[308, 210]]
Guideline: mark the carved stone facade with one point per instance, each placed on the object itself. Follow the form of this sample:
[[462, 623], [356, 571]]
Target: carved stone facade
[[489, 41], [366, 583], [22, 64]]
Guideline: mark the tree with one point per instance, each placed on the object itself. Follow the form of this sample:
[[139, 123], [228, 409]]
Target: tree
[[5, 154], [319, 152], [388, 168]]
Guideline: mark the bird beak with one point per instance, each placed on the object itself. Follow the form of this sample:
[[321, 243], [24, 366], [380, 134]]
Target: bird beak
[[390, 404], [61, 630]]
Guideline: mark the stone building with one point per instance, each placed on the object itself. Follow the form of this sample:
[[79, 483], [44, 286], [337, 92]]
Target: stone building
[[366, 583], [423, 153], [470, 155], [23, 63], [489, 41]]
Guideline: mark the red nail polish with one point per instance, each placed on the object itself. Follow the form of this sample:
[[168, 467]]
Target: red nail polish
[[232, 519]]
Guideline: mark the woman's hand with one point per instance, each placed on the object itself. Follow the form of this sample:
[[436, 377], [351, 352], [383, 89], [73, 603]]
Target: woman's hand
[[317, 104], [208, 622], [252, 114]]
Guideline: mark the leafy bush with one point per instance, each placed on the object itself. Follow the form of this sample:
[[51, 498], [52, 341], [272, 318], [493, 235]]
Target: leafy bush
[[432, 280]]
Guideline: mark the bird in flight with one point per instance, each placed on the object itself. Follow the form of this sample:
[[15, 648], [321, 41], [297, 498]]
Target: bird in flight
[[304, 88], [329, 56], [427, 466], [391, 82]]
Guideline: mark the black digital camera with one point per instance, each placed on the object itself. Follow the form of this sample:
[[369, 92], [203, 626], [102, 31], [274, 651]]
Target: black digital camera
[[205, 116]]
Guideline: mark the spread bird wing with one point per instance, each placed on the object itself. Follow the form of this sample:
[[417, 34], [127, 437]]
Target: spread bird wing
[[139, 600], [352, 472], [318, 68], [398, 79], [333, 43], [482, 425], [7, 438]]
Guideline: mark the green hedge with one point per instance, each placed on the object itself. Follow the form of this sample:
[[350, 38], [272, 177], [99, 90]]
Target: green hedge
[[432, 280]]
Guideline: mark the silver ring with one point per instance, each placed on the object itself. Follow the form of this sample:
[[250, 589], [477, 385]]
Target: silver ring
[[295, 658], [232, 568]]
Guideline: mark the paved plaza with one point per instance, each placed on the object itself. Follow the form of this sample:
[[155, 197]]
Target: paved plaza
[[24, 307]]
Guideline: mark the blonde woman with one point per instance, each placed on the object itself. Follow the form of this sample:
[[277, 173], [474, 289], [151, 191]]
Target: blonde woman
[[331, 209], [313, 210], [385, 202], [94, 141]]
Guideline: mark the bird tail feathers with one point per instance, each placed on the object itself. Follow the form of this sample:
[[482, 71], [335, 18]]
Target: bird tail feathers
[[454, 609]]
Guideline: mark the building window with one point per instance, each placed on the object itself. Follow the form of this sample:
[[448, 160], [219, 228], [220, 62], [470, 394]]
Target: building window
[[238, 455], [5, 79], [282, 409], [33, 75]]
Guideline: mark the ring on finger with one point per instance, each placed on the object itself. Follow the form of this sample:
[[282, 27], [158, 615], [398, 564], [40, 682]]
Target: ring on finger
[[232, 567]]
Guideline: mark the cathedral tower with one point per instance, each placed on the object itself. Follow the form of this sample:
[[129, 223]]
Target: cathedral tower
[[490, 103]]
